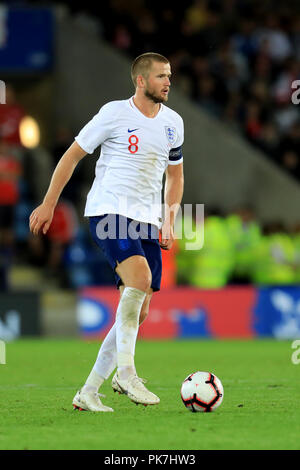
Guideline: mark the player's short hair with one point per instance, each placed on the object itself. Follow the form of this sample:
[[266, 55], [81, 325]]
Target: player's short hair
[[142, 64]]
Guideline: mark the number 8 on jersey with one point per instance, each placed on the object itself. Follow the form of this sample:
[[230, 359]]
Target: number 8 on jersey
[[133, 147]]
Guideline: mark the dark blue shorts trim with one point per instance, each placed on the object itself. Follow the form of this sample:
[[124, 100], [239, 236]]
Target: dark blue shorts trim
[[120, 237]]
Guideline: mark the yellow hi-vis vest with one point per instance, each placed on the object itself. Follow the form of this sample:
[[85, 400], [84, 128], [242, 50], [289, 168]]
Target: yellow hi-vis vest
[[214, 262]]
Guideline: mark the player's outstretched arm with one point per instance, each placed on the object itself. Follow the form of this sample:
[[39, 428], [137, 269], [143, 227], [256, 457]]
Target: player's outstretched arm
[[42, 216]]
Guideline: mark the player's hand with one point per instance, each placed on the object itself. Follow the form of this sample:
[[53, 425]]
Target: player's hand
[[41, 219], [167, 236]]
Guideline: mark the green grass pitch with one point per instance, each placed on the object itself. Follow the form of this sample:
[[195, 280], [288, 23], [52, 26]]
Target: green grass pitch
[[260, 410]]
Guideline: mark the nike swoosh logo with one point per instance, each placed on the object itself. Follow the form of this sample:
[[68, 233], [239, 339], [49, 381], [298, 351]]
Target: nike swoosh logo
[[131, 130]]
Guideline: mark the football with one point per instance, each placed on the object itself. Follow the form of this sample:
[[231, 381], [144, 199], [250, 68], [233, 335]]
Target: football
[[202, 391]]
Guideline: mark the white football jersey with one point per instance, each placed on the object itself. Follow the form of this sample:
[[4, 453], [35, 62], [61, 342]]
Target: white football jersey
[[135, 152]]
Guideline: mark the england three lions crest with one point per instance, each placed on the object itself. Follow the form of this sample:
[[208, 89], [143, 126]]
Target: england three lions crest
[[171, 134]]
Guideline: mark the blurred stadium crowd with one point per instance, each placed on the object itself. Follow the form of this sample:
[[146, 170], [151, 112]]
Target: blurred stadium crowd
[[237, 60]]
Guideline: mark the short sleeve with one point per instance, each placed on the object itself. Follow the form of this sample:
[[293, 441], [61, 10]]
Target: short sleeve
[[97, 130]]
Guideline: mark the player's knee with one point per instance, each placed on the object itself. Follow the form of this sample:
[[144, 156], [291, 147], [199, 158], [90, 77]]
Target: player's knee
[[135, 273], [141, 281]]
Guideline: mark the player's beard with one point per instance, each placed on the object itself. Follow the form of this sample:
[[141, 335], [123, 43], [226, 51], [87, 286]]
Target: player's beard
[[153, 97]]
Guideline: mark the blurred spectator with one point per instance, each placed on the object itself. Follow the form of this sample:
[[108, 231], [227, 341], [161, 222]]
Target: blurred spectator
[[245, 234], [147, 30], [290, 142], [84, 263], [48, 251], [273, 258], [262, 69], [11, 115], [197, 15], [273, 38], [242, 40], [285, 116], [213, 263], [253, 121], [232, 111], [186, 233], [259, 91], [296, 242], [168, 22], [282, 87], [229, 66], [288, 155], [10, 172], [61, 233], [205, 93], [122, 37], [295, 35]]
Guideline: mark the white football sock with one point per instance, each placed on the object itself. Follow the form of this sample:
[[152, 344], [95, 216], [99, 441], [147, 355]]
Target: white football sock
[[127, 325], [93, 382], [106, 361]]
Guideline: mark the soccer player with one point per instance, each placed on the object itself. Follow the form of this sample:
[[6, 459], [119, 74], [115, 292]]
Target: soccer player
[[140, 140]]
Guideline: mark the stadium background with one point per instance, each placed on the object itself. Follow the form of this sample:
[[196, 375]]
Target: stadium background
[[233, 63]]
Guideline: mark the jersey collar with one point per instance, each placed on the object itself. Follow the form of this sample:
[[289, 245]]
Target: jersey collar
[[133, 106]]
